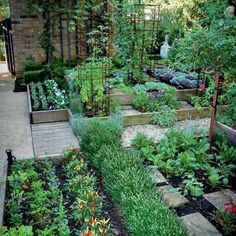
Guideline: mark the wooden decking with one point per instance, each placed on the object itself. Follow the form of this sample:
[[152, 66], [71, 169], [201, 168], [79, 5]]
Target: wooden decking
[[52, 138]]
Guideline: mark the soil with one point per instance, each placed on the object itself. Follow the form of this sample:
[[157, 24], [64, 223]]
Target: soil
[[199, 204], [110, 211]]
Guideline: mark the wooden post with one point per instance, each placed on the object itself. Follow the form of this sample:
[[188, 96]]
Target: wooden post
[[218, 83]]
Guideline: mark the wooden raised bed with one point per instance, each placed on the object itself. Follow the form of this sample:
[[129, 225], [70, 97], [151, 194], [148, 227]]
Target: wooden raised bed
[[127, 98], [47, 115], [145, 118], [230, 133]]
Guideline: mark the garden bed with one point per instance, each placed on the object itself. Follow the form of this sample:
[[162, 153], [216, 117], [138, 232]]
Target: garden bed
[[50, 204], [192, 178], [229, 132], [138, 118], [46, 115], [127, 98]]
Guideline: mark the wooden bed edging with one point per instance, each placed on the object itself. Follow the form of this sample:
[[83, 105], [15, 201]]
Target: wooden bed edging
[[145, 118], [37, 117], [230, 133]]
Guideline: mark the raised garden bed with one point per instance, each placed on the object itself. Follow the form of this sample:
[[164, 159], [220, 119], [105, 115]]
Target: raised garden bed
[[127, 98], [228, 131], [192, 178], [50, 204], [138, 118], [46, 115]]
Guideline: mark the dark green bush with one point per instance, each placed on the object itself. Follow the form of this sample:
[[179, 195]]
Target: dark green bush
[[34, 76], [32, 65]]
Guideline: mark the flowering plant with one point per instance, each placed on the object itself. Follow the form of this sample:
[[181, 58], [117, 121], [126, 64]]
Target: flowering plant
[[87, 204], [227, 217]]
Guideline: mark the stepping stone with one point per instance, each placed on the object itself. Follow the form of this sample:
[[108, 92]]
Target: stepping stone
[[173, 199], [218, 199], [156, 175], [198, 225]]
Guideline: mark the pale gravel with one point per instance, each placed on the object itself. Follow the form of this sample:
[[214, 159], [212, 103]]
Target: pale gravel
[[153, 131]]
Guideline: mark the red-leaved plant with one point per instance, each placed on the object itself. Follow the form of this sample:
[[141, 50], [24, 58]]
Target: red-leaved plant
[[227, 217]]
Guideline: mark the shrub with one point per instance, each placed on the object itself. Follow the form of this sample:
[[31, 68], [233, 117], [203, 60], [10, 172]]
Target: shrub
[[33, 76], [95, 133]]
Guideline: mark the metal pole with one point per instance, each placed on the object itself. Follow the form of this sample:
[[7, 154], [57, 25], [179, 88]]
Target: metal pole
[[68, 31]]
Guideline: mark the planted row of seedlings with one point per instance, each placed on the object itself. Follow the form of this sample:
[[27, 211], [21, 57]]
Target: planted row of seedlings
[[194, 169], [49, 198], [47, 96], [127, 181]]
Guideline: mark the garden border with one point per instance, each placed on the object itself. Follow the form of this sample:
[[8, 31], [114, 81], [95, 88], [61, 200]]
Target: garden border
[[230, 132], [127, 98], [145, 118], [46, 116]]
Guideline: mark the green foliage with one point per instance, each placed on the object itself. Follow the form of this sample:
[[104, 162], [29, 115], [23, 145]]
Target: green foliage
[[201, 45], [34, 198], [183, 154], [19, 231], [80, 185], [4, 9], [228, 115], [141, 141], [75, 104], [92, 138], [149, 101], [131, 188], [32, 65], [91, 84], [164, 118], [34, 76]]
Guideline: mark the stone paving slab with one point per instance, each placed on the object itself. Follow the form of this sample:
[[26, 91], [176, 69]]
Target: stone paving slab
[[156, 175], [172, 199], [198, 225], [15, 129], [218, 199]]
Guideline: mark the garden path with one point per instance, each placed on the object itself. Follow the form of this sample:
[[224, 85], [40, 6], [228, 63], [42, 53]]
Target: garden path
[[15, 130], [52, 138]]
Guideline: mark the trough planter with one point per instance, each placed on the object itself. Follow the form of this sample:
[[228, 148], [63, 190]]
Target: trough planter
[[145, 118], [127, 98], [46, 116], [230, 133]]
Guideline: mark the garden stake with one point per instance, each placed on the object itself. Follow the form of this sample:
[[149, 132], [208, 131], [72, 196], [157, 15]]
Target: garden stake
[[218, 85], [10, 158]]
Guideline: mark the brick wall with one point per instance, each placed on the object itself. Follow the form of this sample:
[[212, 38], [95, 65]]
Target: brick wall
[[26, 30]]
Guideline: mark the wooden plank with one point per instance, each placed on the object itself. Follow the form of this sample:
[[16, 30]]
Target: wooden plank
[[52, 138], [230, 133], [49, 116]]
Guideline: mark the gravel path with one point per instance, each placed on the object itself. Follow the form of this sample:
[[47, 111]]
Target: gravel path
[[158, 133]]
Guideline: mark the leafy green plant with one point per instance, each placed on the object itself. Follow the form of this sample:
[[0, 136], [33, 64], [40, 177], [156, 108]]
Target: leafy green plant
[[19, 231], [164, 118], [75, 104], [141, 141], [192, 186], [228, 115], [149, 101]]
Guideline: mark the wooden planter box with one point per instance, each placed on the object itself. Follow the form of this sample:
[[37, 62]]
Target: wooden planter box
[[230, 133], [47, 115], [127, 98], [145, 118]]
